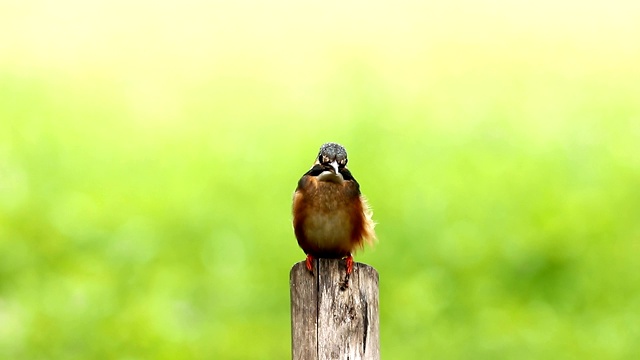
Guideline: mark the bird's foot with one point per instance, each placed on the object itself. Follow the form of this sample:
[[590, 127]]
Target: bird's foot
[[309, 263], [349, 264], [345, 283]]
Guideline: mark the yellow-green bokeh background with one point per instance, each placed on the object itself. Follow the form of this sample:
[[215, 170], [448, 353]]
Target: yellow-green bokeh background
[[149, 151]]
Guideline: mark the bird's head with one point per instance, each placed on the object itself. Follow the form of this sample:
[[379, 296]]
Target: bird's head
[[332, 157]]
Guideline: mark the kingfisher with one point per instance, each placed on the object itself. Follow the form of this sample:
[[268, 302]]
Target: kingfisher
[[331, 218]]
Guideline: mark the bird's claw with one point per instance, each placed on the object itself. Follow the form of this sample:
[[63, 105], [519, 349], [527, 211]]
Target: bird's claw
[[309, 263], [345, 284]]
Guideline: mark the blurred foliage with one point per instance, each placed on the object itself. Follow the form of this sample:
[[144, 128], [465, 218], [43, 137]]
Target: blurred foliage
[[148, 155]]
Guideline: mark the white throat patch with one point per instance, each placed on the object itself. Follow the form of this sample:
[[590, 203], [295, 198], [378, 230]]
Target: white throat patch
[[331, 177]]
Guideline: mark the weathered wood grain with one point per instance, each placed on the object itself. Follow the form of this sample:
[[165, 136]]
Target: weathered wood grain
[[329, 321]]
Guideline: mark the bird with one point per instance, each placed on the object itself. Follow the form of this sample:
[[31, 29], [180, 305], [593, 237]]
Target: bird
[[331, 218]]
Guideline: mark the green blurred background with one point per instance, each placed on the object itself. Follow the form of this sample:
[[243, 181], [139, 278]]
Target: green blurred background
[[149, 152]]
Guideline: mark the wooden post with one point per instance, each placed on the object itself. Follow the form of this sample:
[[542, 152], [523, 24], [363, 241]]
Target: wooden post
[[329, 321]]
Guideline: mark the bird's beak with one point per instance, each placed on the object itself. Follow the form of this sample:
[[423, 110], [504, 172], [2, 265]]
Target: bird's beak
[[334, 164]]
